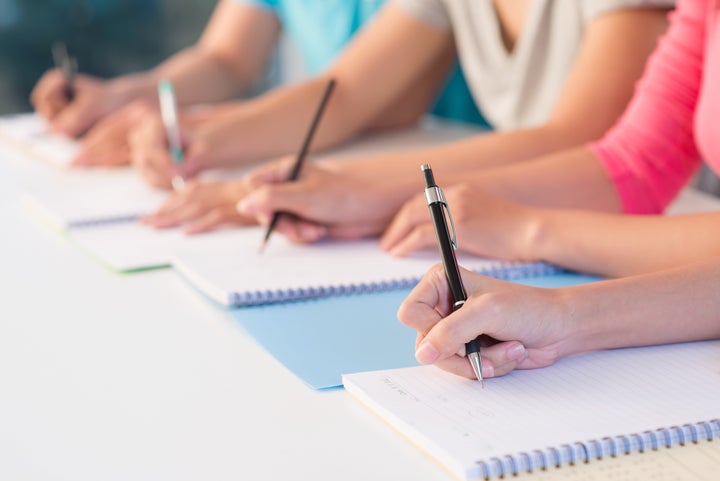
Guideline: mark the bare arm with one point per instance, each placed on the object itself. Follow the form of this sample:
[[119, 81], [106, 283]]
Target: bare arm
[[373, 73], [621, 245], [601, 82], [536, 327], [228, 57]]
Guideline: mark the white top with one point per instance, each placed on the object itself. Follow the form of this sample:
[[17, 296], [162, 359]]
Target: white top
[[517, 89]]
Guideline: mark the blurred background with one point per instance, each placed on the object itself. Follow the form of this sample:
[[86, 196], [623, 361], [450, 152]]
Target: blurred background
[[108, 37]]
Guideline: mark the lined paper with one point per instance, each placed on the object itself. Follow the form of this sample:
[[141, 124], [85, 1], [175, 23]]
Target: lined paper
[[588, 397]]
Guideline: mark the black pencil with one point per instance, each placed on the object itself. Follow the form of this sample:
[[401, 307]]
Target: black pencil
[[293, 175]]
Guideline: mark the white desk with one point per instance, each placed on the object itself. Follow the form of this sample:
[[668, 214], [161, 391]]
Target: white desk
[[137, 377]]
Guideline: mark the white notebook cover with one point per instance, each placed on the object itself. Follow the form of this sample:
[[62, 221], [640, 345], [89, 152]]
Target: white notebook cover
[[236, 273]]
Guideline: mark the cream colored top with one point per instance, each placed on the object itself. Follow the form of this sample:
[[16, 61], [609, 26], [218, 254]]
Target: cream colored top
[[517, 89]]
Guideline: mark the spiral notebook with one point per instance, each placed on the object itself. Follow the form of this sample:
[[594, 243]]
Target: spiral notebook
[[582, 408], [29, 134], [235, 273], [91, 198]]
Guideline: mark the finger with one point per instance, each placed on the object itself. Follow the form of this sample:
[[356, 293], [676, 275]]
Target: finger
[[48, 97], [106, 151], [291, 197], [504, 356], [461, 367], [272, 173], [185, 213], [162, 215], [354, 231], [413, 213], [75, 119], [218, 217], [422, 236], [426, 304], [300, 231], [207, 222], [449, 335]]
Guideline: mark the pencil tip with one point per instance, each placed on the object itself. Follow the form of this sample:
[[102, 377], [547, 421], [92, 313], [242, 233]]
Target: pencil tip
[[262, 247]]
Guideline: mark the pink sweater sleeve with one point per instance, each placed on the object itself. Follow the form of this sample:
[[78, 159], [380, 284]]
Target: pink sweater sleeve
[[650, 153]]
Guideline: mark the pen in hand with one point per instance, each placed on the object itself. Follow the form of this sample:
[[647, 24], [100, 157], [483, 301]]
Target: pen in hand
[[301, 155], [67, 65], [168, 112], [438, 205]]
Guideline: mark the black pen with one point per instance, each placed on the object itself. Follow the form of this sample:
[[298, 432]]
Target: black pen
[[301, 154], [67, 65], [438, 205]]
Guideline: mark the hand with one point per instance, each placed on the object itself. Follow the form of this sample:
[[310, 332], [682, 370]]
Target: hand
[[106, 144], [532, 326], [202, 207], [485, 226], [325, 202], [94, 99], [150, 154]]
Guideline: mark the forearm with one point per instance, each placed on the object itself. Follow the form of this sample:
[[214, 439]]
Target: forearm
[[200, 77], [572, 178], [676, 305], [197, 78], [617, 245], [276, 123], [568, 179]]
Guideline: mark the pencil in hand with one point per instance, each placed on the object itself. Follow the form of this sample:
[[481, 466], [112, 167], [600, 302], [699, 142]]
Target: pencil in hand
[[295, 171]]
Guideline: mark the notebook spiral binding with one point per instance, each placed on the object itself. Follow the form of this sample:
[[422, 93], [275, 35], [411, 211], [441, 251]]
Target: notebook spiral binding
[[104, 221], [598, 449], [501, 270]]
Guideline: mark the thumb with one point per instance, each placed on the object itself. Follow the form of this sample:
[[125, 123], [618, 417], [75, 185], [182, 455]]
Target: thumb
[[286, 197], [74, 120], [271, 173], [448, 336]]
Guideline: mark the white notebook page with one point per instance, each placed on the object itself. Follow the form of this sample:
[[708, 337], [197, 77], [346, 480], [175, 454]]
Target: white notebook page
[[588, 397], [86, 196], [29, 134]]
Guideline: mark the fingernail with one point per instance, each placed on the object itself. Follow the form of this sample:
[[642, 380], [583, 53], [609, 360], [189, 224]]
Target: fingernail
[[313, 232], [488, 370], [517, 352], [426, 353], [246, 206]]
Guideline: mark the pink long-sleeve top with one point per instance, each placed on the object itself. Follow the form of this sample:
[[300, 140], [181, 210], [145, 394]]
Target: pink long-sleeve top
[[673, 120]]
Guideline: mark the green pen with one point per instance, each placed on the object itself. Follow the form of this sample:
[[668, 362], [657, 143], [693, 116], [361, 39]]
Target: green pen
[[168, 111]]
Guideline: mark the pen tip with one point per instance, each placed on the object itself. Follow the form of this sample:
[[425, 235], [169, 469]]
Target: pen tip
[[262, 247]]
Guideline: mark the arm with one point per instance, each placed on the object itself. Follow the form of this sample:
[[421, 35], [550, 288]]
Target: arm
[[608, 64], [228, 57], [536, 327], [640, 165], [373, 73], [610, 61], [596, 242]]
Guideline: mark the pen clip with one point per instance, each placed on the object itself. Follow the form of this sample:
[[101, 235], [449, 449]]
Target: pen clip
[[434, 195]]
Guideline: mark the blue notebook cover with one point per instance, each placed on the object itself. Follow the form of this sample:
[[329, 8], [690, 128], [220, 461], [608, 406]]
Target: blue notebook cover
[[319, 340]]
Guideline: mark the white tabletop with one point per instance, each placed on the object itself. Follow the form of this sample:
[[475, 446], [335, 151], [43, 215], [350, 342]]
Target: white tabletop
[[137, 377]]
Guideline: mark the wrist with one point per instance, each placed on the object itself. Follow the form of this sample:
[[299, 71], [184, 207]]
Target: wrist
[[132, 87], [536, 234], [578, 316]]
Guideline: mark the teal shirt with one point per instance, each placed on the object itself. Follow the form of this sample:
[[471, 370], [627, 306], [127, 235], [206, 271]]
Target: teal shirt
[[321, 28]]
